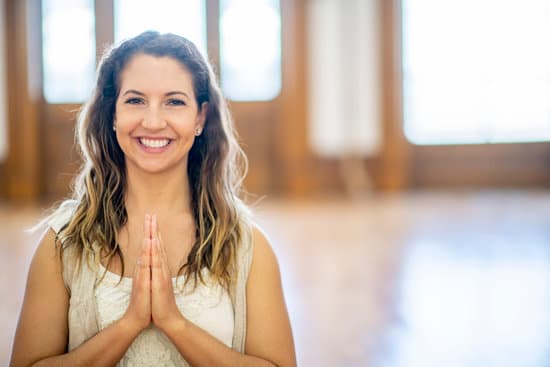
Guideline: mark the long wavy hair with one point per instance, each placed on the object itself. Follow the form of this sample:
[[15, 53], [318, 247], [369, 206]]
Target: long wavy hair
[[216, 167]]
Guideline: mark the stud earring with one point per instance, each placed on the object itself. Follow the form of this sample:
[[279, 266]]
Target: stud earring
[[197, 131], [114, 127]]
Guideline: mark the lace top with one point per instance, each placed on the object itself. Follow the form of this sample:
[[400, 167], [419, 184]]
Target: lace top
[[207, 306]]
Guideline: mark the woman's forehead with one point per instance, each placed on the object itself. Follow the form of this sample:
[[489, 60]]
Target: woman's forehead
[[151, 72]]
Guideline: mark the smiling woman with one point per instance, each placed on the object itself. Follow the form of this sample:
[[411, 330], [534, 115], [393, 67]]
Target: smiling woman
[[160, 156], [157, 112]]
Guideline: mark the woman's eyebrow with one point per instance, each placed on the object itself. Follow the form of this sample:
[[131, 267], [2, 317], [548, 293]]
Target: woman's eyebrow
[[134, 92], [171, 93], [176, 92]]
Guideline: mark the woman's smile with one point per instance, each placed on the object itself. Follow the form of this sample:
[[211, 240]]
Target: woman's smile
[[153, 145]]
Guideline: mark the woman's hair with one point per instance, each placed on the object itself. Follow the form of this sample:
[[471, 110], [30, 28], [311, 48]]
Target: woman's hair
[[216, 167]]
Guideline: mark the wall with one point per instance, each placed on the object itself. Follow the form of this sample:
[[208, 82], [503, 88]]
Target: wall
[[3, 83]]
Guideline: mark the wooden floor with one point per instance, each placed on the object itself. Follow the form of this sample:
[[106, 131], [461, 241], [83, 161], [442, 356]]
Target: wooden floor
[[421, 279]]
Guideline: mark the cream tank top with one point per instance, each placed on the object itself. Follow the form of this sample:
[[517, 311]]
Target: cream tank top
[[207, 306], [94, 303]]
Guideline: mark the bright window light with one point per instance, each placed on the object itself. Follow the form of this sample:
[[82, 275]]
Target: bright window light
[[68, 36], [250, 49], [185, 18], [476, 71]]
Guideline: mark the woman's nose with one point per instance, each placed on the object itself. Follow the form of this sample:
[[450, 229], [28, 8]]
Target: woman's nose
[[154, 119]]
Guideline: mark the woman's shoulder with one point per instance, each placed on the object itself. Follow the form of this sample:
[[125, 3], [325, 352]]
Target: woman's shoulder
[[262, 253], [259, 236], [61, 215], [255, 251], [252, 235]]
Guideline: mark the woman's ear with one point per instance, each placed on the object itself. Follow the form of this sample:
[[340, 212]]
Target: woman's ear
[[201, 117]]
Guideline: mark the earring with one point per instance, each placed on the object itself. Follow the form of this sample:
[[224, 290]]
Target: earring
[[114, 127], [197, 131]]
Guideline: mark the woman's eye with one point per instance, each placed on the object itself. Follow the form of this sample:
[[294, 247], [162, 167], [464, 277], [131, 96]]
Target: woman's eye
[[134, 101], [176, 102]]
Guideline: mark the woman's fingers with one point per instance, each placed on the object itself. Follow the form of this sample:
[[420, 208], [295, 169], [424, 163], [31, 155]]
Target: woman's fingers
[[159, 268], [147, 226], [163, 303], [160, 250], [162, 253], [139, 309], [144, 258], [156, 266], [154, 225], [143, 266]]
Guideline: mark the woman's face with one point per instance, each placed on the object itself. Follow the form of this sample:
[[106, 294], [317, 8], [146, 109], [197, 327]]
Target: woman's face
[[156, 114]]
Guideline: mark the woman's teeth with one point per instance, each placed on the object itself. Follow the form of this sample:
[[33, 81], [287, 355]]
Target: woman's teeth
[[154, 143]]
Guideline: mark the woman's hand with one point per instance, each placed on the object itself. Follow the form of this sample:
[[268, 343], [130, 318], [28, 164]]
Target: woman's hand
[[164, 311], [138, 313]]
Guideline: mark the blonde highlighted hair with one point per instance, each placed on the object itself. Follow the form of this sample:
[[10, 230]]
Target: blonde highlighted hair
[[216, 167]]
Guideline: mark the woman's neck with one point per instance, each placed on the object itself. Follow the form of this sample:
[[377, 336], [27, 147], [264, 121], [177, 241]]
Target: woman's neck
[[164, 194]]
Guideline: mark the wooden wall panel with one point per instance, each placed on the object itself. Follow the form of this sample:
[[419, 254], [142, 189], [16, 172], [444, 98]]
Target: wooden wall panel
[[23, 169], [293, 161], [395, 165], [3, 181], [254, 123], [60, 158], [3, 95], [502, 165]]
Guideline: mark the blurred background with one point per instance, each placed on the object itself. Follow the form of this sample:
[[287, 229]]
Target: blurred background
[[399, 160]]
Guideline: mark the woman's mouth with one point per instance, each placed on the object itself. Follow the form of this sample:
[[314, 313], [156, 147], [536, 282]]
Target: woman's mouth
[[154, 143]]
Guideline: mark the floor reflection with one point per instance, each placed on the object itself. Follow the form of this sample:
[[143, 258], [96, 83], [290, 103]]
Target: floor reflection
[[472, 297]]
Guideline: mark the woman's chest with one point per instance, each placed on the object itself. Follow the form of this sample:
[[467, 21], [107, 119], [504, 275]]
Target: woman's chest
[[176, 243], [207, 306]]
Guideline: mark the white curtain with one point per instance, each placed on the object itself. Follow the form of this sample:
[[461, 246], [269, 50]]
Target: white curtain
[[3, 83], [344, 77]]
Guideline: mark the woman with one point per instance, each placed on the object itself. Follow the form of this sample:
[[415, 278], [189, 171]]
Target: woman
[[154, 262]]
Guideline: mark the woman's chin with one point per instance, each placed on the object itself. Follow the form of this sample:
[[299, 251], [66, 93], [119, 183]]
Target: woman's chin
[[154, 168]]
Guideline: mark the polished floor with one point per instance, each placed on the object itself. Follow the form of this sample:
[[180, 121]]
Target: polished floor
[[448, 278]]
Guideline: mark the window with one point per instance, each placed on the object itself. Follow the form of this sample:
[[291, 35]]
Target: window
[[68, 35], [476, 71], [186, 18], [343, 73], [250, 49]]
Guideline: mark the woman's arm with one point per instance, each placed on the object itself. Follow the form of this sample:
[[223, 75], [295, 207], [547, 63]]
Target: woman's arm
[[269, 339], [42, 331], [268, 331]]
